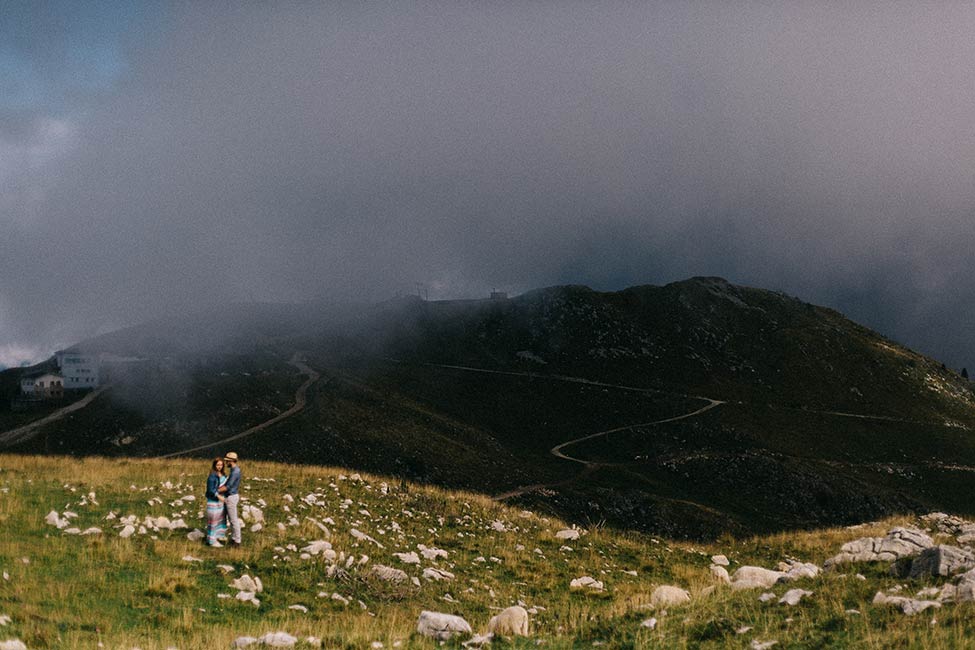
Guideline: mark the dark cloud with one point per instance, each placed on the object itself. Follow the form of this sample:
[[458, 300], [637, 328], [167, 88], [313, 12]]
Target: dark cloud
[[237, 152]]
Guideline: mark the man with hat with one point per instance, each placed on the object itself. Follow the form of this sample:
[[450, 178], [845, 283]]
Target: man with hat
[[231, 491]]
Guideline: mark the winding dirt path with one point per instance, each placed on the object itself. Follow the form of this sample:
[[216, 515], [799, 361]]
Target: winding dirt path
[[300, 402], [558, 451], [29, 430]]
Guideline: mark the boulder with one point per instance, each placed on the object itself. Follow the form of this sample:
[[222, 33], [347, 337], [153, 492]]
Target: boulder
[[720, 560], [512, 621], [720, 574], [586, 582], [909, 606], [437, 575], [441, 626], [388, 573], [793, 596], [669, 596], [899, 542], [754, 577], [278, 640], [798, 570], [941, 560], [567, 534]]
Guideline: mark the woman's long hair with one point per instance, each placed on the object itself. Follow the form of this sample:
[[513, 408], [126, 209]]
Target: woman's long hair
[[213, 465]]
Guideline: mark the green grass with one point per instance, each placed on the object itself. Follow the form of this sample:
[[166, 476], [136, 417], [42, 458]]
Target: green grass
[[74, 591]]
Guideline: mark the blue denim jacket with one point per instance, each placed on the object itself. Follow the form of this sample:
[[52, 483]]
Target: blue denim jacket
[[233, 481]]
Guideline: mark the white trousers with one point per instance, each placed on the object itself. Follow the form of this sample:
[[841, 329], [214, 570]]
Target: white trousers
[[232, 517]]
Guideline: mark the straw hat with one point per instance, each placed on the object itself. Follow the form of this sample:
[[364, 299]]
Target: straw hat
[[231, 455]]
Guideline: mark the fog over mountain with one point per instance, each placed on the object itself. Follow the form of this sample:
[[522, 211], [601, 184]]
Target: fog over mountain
[[157, 159]]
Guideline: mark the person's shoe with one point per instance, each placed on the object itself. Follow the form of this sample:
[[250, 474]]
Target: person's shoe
[[215, 544], [233, 543]]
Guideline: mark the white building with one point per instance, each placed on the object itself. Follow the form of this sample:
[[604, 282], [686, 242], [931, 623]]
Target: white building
[[42, 385], [78, 369]]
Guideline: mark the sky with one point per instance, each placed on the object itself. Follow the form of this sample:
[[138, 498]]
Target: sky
[[159, 158]]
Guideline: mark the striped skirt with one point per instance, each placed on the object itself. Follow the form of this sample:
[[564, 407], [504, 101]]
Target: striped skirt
[[216, 522]]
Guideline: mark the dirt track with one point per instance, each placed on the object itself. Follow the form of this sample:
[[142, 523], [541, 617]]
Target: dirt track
[[300, 401], [28, 431]]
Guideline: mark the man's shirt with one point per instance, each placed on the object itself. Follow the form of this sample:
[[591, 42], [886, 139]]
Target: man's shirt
[[233, 481]]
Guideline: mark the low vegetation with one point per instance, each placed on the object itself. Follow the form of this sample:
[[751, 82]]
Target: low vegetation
[[63, 588]]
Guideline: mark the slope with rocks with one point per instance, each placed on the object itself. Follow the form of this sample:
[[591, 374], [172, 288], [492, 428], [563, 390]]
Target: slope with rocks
[[106, 553]]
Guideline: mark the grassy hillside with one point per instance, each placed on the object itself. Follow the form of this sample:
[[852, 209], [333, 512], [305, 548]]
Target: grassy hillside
[[157, 589], [823, 422]]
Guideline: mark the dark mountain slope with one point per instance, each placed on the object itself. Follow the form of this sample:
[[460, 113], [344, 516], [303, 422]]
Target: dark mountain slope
[[824, 421]]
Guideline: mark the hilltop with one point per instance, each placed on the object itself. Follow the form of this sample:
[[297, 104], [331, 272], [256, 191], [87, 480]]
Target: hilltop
[[689, 410], [100, 551]]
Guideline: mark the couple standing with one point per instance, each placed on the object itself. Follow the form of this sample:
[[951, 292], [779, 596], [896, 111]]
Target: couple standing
[[223, 487]]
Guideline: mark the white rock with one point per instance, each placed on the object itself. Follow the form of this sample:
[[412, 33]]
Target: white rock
[[127, 531], [586, 582], [4, 620], [246, 583], [650, 623], [432, 554], [762, 645], [669, 596], [793, 596], [12, 644], [388, 573], [512, 621], [299, 608], [909, 606], [190, 558], [441, 626], [408, 558], [248, 597], [437, 574], [720, 560], [720, 574], [316, 547], [767, 596], [751, 577], [278, 640], [568, 534], [195, 535]]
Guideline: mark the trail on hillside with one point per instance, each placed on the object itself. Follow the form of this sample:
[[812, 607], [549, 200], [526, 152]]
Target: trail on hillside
[[299, 405], [29, 430], [558, 451]]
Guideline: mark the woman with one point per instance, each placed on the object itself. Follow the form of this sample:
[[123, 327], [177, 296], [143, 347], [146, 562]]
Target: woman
[[216, 510]]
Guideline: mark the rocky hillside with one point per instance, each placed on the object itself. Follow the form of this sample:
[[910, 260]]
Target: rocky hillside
[[690, 410], [101, 553]]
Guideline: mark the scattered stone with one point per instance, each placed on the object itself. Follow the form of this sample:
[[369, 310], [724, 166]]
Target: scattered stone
[[941, 560], [669, 596], [441, 626], [128, 531], [909, 606], [408, 558], [720, 574], [899, 542], [388, 573], [478, 640], [767, 596], [720, 560], [586, 583], [512, 621], [650, 623], [278, 640], [762, 645], [754, 577], [246, 583], [195, 535], [12, 644], [793, 596], [798, 570], [437, 575], [568, 534]]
